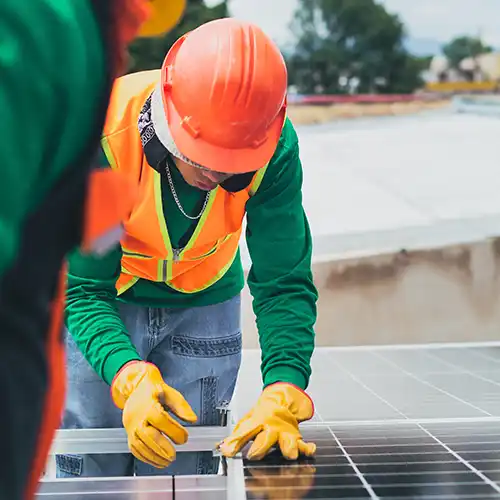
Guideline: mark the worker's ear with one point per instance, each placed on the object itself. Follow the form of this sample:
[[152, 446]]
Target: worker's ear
[[154, 151]]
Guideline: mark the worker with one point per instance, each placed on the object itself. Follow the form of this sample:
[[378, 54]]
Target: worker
[[154, 331], [58, 60]]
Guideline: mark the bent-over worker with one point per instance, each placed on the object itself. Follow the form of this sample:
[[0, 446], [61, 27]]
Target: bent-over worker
[[58, 60], [207, 140]]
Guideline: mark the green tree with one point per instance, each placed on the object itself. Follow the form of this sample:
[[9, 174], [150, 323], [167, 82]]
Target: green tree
[[464, 47], [341, 43], [148, 53]]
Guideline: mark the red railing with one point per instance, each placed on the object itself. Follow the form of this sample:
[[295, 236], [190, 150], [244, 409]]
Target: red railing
[[357, 98]]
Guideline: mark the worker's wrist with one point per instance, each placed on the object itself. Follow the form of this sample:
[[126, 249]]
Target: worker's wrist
[[287, 374], [116, 361], [123, 368]]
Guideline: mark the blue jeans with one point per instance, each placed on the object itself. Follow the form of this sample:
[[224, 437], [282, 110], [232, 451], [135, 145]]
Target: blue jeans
[[198, 351]]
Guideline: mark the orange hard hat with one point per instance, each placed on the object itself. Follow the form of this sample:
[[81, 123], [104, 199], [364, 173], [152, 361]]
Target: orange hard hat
[[223, 94]]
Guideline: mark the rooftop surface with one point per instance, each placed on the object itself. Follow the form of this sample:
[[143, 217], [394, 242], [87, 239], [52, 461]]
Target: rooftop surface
[[381, 183]]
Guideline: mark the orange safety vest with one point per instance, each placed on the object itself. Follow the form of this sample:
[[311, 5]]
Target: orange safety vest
[[147, 250]]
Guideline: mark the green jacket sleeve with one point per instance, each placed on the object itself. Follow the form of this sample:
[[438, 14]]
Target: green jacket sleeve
[[92, 316], [44, 72], [20, 164], [280, 278], [29, 102]]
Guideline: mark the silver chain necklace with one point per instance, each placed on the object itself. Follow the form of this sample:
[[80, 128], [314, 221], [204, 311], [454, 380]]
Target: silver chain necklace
[[176, 198]]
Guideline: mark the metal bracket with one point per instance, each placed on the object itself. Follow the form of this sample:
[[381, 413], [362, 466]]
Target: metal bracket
[[224, 411]]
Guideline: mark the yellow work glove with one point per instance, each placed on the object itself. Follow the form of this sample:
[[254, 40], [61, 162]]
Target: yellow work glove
[[281, 483], [139, 390], [274, 420]]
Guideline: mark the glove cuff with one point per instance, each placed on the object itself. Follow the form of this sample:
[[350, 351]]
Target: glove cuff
[[126, 380]]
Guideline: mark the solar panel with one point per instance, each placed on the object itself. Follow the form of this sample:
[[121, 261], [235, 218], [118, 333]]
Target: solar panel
[[410, 384], [389, 384], [420, 423], [395, 461]]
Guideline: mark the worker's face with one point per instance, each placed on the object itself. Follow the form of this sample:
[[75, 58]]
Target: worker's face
[[200, 178]]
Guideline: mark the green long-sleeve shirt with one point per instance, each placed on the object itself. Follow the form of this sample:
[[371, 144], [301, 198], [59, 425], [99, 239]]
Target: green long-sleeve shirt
[[280, 279]]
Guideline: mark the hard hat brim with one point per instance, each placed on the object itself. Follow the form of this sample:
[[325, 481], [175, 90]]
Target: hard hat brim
[[231, 161]]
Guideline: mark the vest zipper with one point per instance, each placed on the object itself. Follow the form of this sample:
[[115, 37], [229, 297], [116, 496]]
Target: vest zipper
[[176, 253]]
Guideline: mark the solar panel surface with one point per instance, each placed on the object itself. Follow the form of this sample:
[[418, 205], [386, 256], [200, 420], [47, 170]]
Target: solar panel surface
[[394, 461], [420, 423], [389, 384]]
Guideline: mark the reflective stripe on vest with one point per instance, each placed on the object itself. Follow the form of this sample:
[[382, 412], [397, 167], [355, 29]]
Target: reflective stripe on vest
[[146, 245]]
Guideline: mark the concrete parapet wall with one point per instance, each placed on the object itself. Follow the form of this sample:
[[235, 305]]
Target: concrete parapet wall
[[318, 114], [440, 294]]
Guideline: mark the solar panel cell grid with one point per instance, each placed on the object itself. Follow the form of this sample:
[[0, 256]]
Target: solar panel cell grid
[[420, 423], [380, 384], [385, 461], [379, 379]]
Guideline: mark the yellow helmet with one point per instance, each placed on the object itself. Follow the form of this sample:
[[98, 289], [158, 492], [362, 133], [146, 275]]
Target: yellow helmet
[[165, 15]]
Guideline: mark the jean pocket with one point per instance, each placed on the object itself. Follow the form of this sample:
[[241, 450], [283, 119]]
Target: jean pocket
[[69, 465], [206, 348]]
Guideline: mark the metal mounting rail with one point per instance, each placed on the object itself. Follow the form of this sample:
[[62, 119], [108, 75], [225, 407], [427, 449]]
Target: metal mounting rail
[[230, 484], [135, 488], [104, 441]]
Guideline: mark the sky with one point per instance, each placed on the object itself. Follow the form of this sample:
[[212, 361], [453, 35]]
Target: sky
[[440, 20]]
